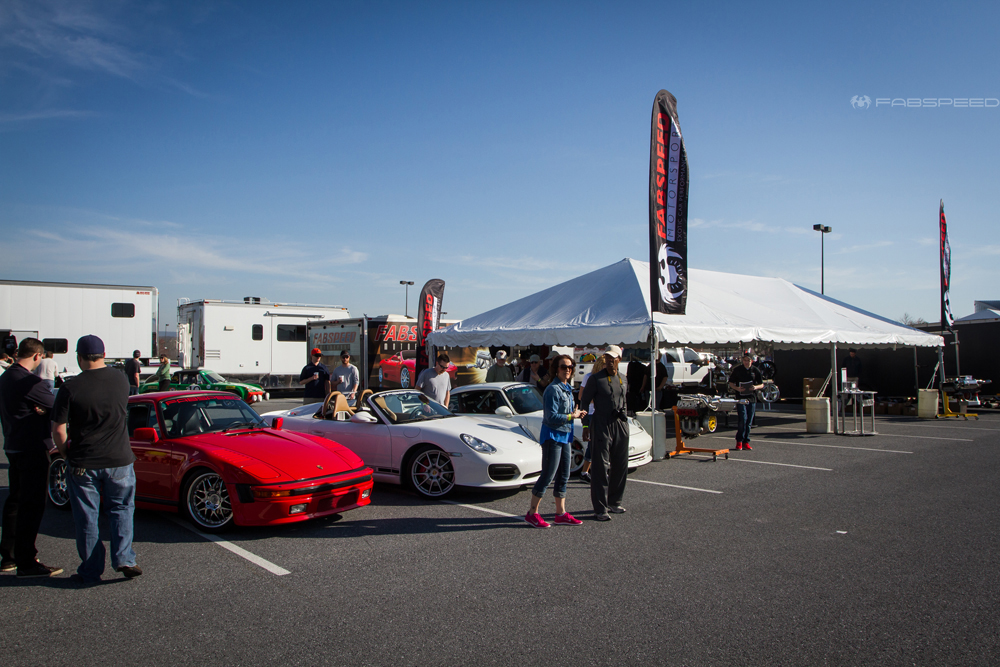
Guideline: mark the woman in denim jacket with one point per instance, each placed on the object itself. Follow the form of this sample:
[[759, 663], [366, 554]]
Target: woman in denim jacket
[[556, 438]]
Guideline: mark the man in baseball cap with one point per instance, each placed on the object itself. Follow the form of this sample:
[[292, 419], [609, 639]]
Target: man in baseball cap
[[316, 377], [89, 428], [607, 389]]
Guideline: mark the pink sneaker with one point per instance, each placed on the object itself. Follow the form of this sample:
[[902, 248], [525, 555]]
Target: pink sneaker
[[566, 519], [535, 520]]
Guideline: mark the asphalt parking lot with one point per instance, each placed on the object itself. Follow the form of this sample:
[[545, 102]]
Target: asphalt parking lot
[[808, 550]]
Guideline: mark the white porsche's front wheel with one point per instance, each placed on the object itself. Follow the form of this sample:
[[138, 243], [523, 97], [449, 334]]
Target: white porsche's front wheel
[[431, 473]]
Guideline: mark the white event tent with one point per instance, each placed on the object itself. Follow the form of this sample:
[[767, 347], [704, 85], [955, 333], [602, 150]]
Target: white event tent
[[611, 305]]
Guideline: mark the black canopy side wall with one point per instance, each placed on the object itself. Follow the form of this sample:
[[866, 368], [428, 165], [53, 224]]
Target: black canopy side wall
[[887, 371]]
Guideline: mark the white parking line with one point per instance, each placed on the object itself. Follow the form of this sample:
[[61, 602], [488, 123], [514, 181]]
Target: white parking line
[[675, 486], [925, 437], [787, 465], [781, 441], [239, 551], [481, 509]]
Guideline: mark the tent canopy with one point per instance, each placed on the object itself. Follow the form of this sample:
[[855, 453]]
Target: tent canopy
[[611, 305]]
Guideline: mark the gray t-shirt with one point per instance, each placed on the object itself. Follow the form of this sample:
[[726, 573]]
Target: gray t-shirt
[[434, 385], [345, 379]]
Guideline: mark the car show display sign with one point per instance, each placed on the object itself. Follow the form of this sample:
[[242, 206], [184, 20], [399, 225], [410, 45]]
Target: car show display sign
[[668, 203], [428, 316], [947, 319]]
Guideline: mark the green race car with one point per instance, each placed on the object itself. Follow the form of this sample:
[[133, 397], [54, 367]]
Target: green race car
[[209, 380]]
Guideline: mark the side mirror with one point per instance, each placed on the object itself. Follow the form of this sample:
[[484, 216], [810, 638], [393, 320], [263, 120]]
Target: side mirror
[[504, 411], [146, 435], [363, 418], [276, 423]]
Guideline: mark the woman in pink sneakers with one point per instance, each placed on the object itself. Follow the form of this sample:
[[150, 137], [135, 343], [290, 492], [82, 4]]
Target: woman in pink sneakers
[[556, 437]]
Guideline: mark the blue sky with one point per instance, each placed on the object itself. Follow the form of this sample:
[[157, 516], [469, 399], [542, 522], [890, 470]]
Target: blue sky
[[322, 152]]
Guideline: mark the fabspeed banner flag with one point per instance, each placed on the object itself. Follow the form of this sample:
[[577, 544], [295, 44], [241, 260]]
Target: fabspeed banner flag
[[947, 319], [668, 203], [428, 317]]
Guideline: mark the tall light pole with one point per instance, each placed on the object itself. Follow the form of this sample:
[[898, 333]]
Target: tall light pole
[[824, 230], [406, 308]]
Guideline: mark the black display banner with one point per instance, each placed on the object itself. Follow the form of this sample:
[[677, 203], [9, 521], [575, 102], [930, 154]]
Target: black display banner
[[428, 316], [668, 204], [947, 319]]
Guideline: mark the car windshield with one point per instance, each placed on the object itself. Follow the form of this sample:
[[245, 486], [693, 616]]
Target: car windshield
[[524, 398], [190, 415], [401, 407], [213, 376]]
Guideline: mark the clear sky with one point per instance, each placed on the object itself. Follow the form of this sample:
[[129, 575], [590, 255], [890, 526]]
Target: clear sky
[[321, 152]]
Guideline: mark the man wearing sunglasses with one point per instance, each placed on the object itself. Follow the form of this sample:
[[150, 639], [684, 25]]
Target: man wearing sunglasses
[[435, 382], [608, 436]]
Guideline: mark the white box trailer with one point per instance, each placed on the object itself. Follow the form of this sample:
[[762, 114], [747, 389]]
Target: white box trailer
[[252, 340], [123, 316]]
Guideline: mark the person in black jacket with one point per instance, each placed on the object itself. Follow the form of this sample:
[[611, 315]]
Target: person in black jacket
[[608, 435], [25, 403], [745, 381]]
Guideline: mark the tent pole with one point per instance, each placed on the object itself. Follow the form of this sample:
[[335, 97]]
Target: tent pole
[[652, 382], [834, 391], [916, 371], [958, 364]]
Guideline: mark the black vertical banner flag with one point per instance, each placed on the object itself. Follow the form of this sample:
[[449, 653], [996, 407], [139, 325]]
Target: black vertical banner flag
[[428, 317], [668, 203], [947, 319]]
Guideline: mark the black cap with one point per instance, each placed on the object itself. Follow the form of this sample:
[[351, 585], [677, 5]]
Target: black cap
[[90, 344]]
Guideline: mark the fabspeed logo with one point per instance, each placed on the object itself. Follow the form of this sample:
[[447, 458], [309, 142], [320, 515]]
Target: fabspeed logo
[[669, 265], [861, 101]]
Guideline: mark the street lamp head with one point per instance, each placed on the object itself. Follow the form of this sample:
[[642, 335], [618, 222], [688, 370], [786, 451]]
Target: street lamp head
[[826, 229], [405, 282]]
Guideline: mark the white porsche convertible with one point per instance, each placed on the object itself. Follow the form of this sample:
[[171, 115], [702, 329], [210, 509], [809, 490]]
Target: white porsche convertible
[[407, 438], [521, 404]]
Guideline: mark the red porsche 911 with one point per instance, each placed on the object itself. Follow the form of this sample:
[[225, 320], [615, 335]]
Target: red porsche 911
[[211, 457]]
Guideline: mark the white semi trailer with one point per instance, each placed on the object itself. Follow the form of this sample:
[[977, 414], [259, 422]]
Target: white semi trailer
[[252, 340], [123, 316]]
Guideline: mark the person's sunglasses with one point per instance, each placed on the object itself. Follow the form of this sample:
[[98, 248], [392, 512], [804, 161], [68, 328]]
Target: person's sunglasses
[[565, 367]]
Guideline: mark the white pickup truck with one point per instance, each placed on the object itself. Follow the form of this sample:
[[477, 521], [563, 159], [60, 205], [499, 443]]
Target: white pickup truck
[[684, 366]]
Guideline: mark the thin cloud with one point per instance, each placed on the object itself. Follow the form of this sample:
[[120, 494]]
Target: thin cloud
[[863, 247], [43, 114], [70, 34]]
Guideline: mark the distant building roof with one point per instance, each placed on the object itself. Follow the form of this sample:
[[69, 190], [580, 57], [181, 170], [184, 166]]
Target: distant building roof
[[981, 314], [987, 305]]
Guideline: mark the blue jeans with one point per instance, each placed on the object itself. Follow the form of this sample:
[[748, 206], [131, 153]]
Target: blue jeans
[[117, 486], [555, 465], [745, 414]]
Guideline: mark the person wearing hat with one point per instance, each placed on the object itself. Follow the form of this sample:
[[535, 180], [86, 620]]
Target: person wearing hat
[[316, 377], [346, 377], [25, 403], [99, 459], [531, 373], [607, 389], [162, 374], [500, 371], [745, 380]]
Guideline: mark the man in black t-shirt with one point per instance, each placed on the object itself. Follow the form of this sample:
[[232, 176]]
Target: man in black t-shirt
[[99, 460], [132, 368], [745, 381], [316, 377]]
